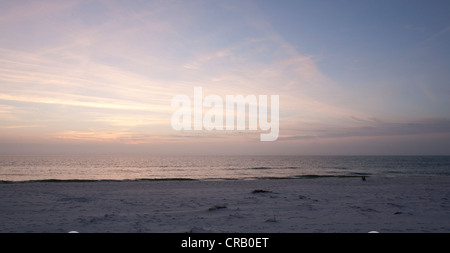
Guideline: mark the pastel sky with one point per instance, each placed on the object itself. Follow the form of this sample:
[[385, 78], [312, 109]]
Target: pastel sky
[[97, 77]]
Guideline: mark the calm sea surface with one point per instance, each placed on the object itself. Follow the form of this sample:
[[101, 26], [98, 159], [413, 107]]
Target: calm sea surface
[[31, 168]]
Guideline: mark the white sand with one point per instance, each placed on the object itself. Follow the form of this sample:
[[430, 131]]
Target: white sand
[[404, 204]]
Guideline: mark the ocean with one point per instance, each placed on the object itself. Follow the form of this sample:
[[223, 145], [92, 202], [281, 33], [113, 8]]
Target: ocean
[[121, 168]]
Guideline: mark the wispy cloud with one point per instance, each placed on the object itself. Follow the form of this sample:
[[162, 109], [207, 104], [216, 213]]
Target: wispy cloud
[[437, 35], [377, 128], [126, 137], [414, 28], [30, 11]]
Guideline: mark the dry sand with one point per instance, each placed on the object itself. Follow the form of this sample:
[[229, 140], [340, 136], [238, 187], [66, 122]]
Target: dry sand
[[402, 204]]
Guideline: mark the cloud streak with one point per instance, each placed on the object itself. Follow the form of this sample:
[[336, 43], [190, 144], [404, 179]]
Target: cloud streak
[[379, 129]]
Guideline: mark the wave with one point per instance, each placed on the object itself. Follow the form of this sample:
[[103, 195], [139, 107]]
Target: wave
[[95, 180], [312, 176], [265, 168], [360, 173], [261, 168]]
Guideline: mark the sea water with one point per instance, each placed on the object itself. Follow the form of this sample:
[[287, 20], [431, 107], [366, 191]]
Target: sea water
[[93, 168]]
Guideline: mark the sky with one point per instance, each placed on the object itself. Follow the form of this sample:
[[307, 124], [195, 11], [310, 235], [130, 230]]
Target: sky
[[98, 77]]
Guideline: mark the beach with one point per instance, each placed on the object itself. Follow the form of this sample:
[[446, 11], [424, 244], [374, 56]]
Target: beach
[[309, 205]]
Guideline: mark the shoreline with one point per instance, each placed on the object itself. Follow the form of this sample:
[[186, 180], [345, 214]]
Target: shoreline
[[317, 205]]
